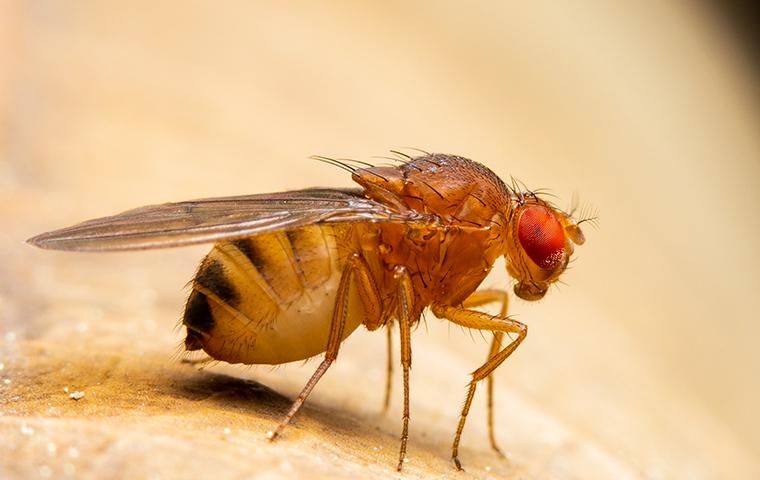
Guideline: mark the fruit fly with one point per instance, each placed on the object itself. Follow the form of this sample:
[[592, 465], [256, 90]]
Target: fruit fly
[[290, 275]]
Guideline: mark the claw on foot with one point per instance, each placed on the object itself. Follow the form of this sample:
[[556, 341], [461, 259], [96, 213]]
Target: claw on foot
[[498, 451]]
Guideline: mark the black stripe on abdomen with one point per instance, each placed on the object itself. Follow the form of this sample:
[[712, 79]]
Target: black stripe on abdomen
[[198, 319], [247, 248], [211, 275]]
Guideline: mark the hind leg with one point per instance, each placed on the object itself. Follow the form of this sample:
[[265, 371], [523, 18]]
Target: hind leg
[[355, 270]]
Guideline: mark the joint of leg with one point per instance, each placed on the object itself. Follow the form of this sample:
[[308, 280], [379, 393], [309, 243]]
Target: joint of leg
[[399, 271], [523, 330]]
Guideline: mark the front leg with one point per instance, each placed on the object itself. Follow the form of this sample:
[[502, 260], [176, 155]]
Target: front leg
[[483, 297], [479, 321]]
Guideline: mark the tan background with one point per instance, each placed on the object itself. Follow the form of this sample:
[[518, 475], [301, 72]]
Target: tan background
[[643, 365]]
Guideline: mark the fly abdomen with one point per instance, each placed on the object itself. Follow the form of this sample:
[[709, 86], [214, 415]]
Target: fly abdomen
[[268, 298]]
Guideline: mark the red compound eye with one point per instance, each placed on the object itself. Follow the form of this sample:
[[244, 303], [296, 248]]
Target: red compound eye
[[541, 236]]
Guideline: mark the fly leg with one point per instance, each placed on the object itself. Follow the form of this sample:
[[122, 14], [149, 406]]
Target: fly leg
[[405, 303], [356, 269], [479, 321], [477, 299], [370, 297], [389, 369]]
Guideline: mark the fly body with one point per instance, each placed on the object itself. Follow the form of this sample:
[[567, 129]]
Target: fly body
[[292, 274]]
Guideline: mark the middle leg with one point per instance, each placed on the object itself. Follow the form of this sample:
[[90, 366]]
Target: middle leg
[[405, 304]]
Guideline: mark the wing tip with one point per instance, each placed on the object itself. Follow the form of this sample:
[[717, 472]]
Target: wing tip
[[36, 241], [49, 241], [45, 242]]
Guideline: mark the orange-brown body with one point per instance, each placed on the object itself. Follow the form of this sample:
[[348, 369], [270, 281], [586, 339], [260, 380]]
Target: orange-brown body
[[285, 282]]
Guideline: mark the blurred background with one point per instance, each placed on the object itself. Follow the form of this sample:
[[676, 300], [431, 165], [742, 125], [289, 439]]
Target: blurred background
[[643, 364]]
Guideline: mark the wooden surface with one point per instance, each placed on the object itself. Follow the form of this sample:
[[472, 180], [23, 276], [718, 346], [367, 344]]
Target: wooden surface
[[642, 365]]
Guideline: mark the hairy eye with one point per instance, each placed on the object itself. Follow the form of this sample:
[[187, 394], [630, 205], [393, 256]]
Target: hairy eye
[[541, 236]]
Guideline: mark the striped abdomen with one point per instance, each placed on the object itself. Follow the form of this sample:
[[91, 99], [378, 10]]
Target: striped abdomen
[[269, 299]]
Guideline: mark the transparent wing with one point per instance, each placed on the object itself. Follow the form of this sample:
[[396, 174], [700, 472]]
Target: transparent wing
[[213, 219]]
